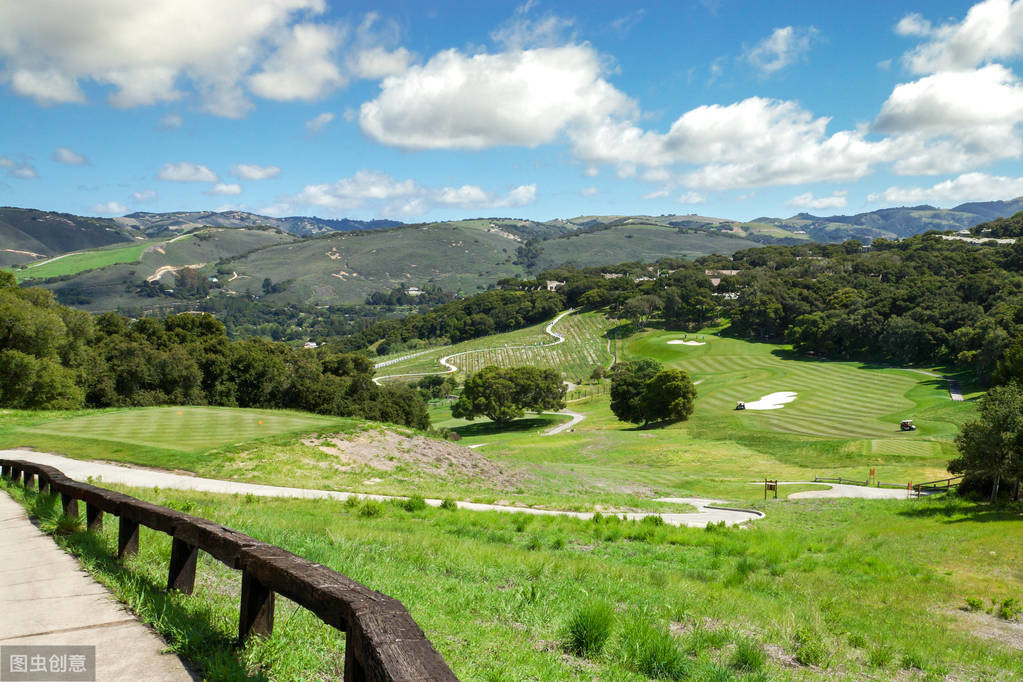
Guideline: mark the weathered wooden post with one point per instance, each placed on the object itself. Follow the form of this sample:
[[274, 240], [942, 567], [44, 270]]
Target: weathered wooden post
[[70, 505], [127, 537], [181, 575], [256, 616], [30, 480], [93, 518]]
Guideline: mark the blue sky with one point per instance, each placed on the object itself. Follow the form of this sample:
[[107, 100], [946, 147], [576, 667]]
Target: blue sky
[[437, 110]]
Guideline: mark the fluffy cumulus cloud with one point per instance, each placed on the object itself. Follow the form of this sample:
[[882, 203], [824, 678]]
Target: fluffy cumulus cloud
[[224, 189], [837, 199], [144, 196], [991, 30], [69, 156], [691, 198], [389, 196], [277, 49], [966, 187], [109, 208], [186, 171], [249, 171], [781, 49], [520, 97]]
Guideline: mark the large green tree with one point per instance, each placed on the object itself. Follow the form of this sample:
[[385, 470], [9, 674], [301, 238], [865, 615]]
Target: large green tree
[[642, 392], [991, 448], [503, 394]]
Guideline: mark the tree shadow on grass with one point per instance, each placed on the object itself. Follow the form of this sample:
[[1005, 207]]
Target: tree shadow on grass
[[958, 512], [489, 428], [193, 636]]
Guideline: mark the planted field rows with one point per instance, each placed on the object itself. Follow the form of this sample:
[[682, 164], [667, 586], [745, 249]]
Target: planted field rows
[[583, 349]]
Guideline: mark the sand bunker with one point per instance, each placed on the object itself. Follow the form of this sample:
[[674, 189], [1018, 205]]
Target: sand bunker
[[773, 401], [677, 342]]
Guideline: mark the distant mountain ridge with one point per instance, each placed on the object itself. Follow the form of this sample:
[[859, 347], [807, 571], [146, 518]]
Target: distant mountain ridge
[[156, 223]]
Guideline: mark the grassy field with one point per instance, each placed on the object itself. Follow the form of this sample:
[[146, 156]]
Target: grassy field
[[583, 349], [819, 589], [74, 263]]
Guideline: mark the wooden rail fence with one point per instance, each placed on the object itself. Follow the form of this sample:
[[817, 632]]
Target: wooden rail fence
[[382, 642]]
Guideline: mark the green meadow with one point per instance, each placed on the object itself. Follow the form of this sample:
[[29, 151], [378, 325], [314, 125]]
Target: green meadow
[[819, 589], [74, 263]]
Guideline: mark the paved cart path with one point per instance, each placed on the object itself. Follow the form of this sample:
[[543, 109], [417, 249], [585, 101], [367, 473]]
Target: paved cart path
[[706, 511], [47, 599]]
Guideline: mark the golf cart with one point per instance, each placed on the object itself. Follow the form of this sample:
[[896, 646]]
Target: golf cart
[[740, 405], [907, 425]]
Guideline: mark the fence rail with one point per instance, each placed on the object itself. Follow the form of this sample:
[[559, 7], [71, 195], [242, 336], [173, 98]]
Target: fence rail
[[945, 484], [382, 642]]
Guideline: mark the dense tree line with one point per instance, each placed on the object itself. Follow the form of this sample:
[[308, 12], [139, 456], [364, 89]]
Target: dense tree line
[[52, 356], [505, 393]]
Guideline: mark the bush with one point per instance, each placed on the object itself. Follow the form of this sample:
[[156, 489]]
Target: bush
[[912, 660], [974, 604], [351, 502], [653, 652], [589, 628], [1009, 609], [371, 508], [748, 657], [811, 648], [449, 504], [413, 504], [857, 641]]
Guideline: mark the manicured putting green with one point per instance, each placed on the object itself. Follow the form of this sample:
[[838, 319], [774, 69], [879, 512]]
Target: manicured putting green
[[185, 429]]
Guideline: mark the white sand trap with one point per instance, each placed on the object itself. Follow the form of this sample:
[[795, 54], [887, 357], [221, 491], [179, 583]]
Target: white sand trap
[[678, 342], [773, 401]]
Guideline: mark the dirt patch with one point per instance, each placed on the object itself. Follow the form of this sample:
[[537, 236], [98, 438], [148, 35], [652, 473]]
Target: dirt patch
[[387, 450], [986, 626], [164, 269]]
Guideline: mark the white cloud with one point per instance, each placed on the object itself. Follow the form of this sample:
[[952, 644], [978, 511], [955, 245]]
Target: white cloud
[[991, 30], [22, 170], [247, 171], [144, 196], [318, 123], [303, 67], [954, 120], [376, 62], [692, 198], [781, 49], [110, 208], [966, 187], [838, 199], [224, 189], [624, 24], [589, 191], [591, 171], [389, 196], [186, 171], [171, 122], [521, 31], [164, 50], [657, 194], [520, 97], [69, 156]]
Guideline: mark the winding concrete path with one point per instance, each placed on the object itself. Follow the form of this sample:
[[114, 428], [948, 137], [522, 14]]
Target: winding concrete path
[[844, 490], [47, 599], [706, 510], [451, 368], [560, 428]]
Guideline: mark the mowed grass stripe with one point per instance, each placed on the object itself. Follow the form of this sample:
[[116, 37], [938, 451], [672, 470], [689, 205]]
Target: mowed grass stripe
[[184, 429]]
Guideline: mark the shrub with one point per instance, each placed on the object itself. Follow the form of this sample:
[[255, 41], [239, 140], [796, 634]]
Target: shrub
[[811, 648], [653, 652], [413, 504], [1009, 609], [857, 641], [449, 504], [371, 508], [351, 502], [748, 657], [911, 660], [974, 604], [589, 628]]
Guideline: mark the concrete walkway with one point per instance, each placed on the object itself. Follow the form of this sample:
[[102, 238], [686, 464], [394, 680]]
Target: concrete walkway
[[103, 472], [844, 490], [47, 599]]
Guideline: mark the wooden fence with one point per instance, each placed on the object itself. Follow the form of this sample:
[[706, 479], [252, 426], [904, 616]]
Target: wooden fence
[[382, 642]]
